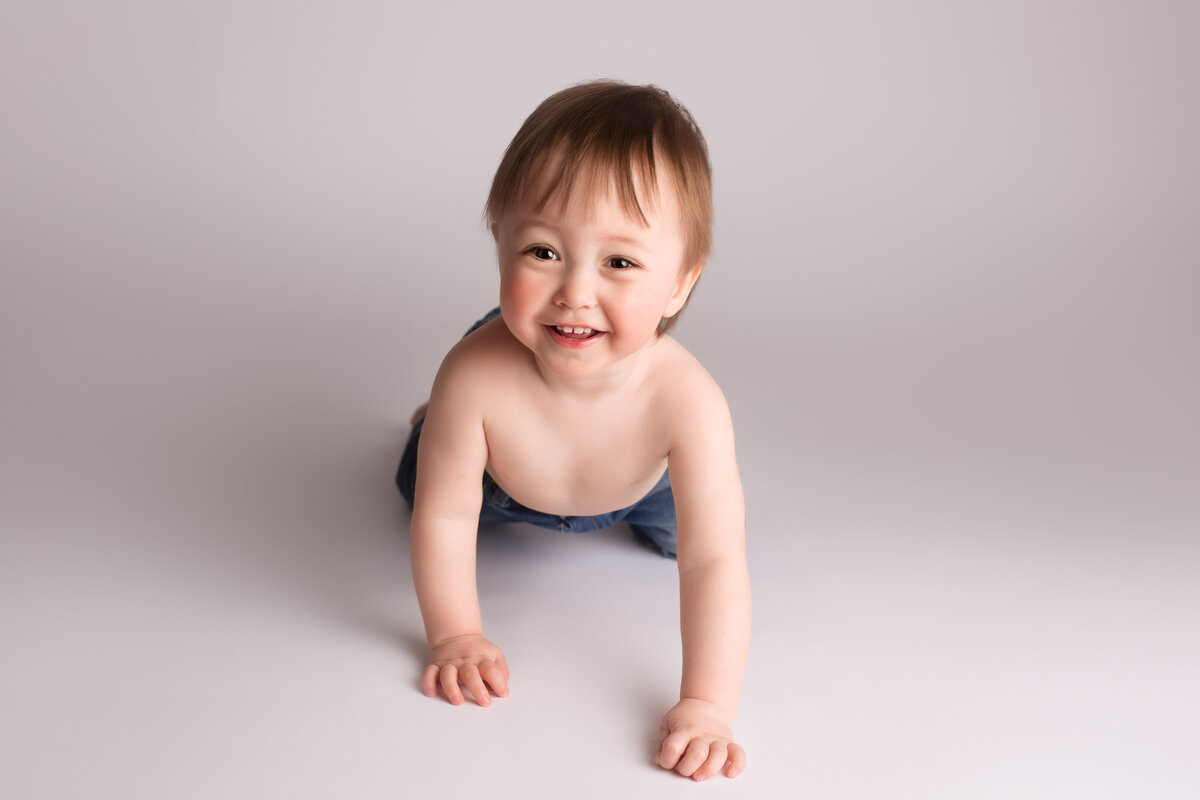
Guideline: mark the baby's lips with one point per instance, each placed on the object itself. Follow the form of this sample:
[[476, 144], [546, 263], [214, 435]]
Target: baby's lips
[[570, 332], [576, 325]]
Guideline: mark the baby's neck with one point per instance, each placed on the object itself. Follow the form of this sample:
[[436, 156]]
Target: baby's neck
[[622, 377]]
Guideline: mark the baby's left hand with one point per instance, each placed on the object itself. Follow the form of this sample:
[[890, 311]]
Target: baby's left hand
[[695, 740]]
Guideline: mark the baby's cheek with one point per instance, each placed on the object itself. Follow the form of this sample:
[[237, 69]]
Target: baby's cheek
[[645, 309], [516, 296]]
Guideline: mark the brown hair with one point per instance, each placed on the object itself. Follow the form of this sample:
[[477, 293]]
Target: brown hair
[[606, 131]]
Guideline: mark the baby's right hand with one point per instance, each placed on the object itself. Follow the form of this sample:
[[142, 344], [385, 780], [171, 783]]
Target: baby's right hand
[[469, 660]]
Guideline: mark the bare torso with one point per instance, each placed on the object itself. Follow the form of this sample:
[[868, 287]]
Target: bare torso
[[575, 454]]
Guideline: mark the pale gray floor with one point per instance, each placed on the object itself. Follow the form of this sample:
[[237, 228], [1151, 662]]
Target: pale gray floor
[[952, 306]]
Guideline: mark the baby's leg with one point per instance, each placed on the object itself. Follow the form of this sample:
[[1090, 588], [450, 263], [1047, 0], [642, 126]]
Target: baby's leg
[[660, 540], [420, 412], [652, 520], [406, 475]]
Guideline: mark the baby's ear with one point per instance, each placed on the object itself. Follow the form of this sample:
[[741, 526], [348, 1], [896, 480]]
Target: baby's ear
[[683, 289], [496, 232]]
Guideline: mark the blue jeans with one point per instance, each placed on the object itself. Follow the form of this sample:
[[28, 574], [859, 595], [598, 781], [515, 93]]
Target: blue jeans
[[652, 519]]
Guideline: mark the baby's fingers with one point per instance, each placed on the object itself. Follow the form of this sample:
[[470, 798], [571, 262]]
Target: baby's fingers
[[429, 680], [736, 762], [450, 685], [472, 680], [712, 765], [496, 676], [695, 756], [671, 749]]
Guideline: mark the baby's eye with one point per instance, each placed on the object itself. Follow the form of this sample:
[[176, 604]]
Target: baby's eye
[[616, 262], [542, 253]]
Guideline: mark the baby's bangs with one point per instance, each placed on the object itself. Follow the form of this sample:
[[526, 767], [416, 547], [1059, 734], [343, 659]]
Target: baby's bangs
[[597, 169]]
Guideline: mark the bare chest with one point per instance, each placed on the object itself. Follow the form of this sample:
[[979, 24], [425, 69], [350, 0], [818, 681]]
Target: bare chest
[[576, 460]]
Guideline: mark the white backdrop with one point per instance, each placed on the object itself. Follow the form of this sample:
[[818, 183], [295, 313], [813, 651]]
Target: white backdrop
[[952, 304]]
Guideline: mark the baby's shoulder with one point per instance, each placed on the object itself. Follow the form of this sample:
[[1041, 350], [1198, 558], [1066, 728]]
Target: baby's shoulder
[[695, 419], [480, 362], [684, 387]]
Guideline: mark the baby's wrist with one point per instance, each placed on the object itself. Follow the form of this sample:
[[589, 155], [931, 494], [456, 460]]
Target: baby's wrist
[[710, 706], [445, 639]]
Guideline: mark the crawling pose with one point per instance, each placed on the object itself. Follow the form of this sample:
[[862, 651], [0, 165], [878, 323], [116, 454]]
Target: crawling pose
[[570, 407]]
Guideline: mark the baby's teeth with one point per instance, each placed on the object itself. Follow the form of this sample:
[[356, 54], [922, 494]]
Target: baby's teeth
[[574, 330]]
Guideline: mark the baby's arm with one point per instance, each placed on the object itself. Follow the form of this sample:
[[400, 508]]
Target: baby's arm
[[714, 586], [452, 455]]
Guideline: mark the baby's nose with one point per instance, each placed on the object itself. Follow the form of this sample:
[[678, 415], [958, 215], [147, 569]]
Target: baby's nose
[[578, 289]]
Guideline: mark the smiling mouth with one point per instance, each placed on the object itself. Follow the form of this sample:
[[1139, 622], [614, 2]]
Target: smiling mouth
[[574, 334]]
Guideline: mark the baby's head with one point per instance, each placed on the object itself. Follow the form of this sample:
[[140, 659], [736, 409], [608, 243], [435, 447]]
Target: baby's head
[[610, 136]]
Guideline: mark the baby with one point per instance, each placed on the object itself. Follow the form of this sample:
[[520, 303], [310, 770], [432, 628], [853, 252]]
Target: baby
[[572, 399]]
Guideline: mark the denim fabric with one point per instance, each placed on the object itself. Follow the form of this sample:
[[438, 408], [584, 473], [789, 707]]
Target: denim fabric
[[652, 519]]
